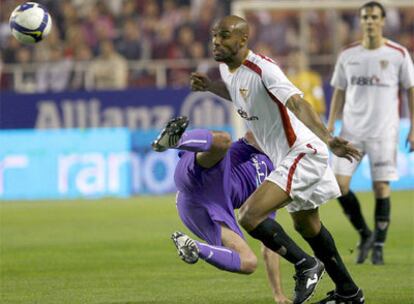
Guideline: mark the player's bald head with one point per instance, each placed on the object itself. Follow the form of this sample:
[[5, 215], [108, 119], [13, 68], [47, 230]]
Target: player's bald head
[[235, 24]]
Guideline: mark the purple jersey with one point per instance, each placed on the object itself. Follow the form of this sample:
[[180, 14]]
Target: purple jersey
[[207, 197]]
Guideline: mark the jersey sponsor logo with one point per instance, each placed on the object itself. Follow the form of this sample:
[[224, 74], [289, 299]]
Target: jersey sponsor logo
[[373, 80], [384, 64], [354, 63], [383, 164], [244, 93], [261, 170], [243, 114]]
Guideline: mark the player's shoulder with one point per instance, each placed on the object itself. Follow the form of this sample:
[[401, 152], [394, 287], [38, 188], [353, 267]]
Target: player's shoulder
[[259, 63], [350, 49], [396, 47]]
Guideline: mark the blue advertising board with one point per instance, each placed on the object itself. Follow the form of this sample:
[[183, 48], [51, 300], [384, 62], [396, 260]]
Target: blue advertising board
[[64, 163], [133, 109], [90, 163]]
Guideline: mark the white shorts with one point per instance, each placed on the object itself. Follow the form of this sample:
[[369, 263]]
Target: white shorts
[[382, 155], [306, 176]]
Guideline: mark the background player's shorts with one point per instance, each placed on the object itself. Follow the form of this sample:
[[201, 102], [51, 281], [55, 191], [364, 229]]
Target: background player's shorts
[[306, 176], [382, 155]]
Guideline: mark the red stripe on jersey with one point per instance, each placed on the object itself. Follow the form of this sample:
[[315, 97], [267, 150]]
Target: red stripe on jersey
[[254, 67], [267, 58], [396, 48], [311, 147], [287, 126], [292, 171]]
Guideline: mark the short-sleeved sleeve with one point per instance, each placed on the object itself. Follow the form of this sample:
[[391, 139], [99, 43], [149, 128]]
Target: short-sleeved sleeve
[[339, 77], [277, 83], [407, 72]]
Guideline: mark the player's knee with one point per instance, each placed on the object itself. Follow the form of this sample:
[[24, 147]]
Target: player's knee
[[248, 263], [307, 229], [245, 218], [381, 189], [344, 188], [299, 227]]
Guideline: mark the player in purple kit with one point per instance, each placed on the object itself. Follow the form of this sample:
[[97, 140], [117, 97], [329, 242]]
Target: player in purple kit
[[214, 177]]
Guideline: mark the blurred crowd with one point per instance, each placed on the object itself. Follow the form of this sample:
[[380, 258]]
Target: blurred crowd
[[98, 39]]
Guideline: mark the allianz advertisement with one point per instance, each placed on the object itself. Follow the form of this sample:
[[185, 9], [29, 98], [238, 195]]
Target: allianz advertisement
[[89, 145]]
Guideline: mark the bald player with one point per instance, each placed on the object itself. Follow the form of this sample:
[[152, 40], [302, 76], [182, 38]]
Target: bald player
[[290, 132]]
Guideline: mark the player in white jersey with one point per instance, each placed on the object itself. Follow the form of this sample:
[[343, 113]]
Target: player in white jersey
[[290, 132], [366, 79]]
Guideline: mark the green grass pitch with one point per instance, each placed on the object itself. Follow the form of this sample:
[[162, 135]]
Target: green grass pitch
[[117, 251]]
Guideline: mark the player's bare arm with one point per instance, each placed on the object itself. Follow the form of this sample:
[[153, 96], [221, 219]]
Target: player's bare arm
[[201, 82], [272, 265], [410, 138], [304, 111], [337, 104]]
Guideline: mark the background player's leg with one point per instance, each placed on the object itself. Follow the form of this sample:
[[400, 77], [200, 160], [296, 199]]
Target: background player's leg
[[351, 206], [352, 209], [382, 192], [308, 224]]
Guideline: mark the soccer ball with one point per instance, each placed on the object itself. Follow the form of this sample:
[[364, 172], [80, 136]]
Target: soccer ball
[[30, 22]]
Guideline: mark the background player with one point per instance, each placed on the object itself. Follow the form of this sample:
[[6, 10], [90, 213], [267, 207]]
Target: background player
[[214, 177], [284, 126], [366, 80]]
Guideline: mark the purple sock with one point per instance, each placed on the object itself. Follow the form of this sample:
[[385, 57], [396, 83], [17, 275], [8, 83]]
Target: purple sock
[[220, 257], [197, 140]]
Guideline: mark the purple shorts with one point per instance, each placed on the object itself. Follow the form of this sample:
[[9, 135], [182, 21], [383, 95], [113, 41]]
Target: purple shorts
[[204, 200]]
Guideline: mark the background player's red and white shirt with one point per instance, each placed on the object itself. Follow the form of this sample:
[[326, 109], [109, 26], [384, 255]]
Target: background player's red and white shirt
[[259, 90], [371, 79]]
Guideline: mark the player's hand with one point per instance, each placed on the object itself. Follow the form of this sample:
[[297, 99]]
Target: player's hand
[[282, 299], [342, 148], [410, 140], [199, 82]]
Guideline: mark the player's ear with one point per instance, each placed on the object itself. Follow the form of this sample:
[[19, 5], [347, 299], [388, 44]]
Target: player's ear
[[243, 40]]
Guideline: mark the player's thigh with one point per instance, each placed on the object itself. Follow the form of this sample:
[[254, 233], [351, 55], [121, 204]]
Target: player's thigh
[[382, 155], [197, 219], [343, 181], [234, 241], [343, 168], [267, 198], [307, 222]]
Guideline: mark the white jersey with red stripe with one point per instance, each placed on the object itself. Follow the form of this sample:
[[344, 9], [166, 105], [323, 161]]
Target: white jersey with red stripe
[[259, 90], [371, 80]]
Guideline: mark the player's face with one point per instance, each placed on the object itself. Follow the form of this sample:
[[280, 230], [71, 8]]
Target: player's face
[[226, 42], [371, 21]]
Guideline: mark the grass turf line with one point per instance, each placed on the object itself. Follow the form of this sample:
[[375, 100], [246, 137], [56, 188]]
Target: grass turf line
[[119, 251]]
